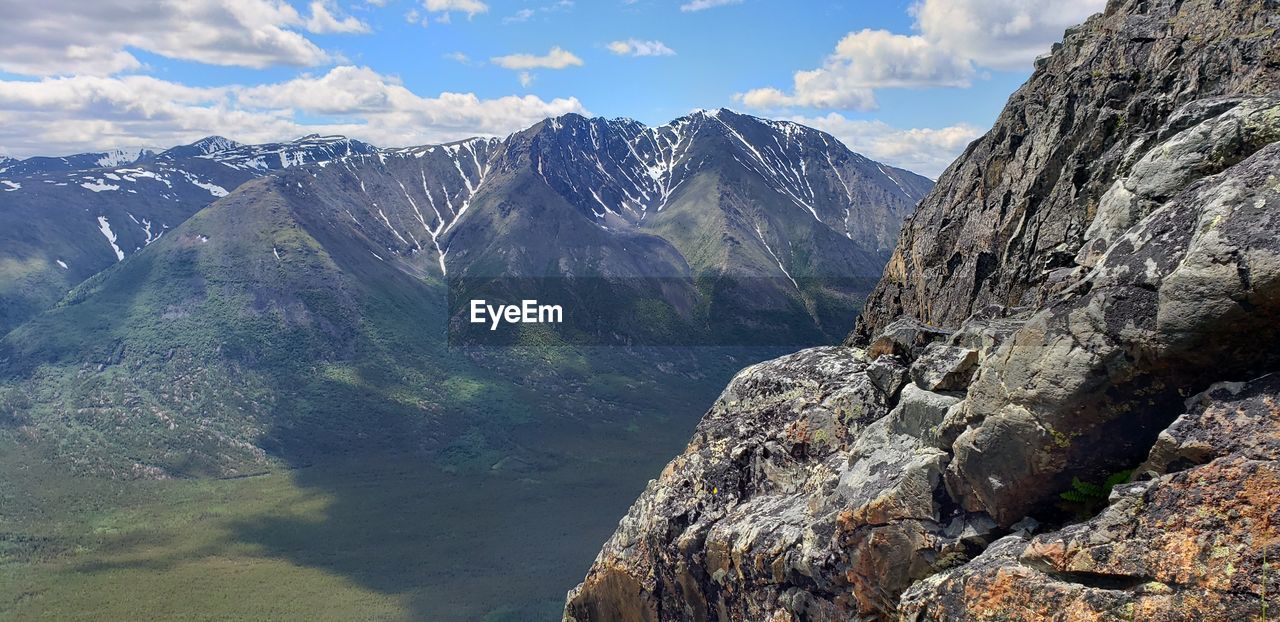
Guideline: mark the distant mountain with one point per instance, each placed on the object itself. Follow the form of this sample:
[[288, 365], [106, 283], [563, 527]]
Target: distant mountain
[[715, 192], [80, 161], [65, 219], [205, 146]]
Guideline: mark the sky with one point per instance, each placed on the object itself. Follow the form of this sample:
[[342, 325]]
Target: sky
[[906, 82]]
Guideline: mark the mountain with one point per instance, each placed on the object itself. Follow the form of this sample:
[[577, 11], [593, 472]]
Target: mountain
[[303, 314], [81, 161], [1059, 402], [61, 224], [790, 204]]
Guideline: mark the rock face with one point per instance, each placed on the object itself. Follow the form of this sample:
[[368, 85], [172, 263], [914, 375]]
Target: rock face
[[805, 490], [1109, 249], [1011, 214], [1195, 542]]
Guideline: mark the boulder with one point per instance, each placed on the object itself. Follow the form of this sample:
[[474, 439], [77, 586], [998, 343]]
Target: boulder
[[906, 339], [944, 368]]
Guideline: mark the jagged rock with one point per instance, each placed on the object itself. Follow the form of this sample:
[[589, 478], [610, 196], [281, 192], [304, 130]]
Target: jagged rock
[[888, 374], [1189, 545], [1231, 129], [944, 368], [905, 338], [1230, 418], [1016, 205], [798, 497], [985, 334]]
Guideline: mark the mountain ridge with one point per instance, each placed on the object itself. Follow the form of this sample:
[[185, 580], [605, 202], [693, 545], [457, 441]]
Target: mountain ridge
[[137, 203]]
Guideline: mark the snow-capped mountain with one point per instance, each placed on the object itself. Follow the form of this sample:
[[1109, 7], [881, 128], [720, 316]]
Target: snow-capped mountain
[[205, 146], [712, 193], [312, 149], [64, 219]]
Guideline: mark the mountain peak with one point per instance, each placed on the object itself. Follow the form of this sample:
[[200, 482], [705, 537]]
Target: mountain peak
[[214, 144]]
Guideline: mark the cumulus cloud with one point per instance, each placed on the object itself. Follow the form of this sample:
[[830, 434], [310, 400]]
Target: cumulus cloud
[[557, 58], [65, 37], [470, 7], [864, 61], [1001, 34], [702, 5], [85, 113], [637, 47], [323, 20], [954, 39], [927, 151]]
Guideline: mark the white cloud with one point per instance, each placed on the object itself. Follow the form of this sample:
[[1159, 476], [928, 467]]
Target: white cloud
[[864, 61], [526, 14], [702, 5], [322, 20], [64, 37], [85, 113], [470, 7], [556, 58], [526, 79], [522, 15], [955, 38], [637, 47], [1001, 34], [927, 151]]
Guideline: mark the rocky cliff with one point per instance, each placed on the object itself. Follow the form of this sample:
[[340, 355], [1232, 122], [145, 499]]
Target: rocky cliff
[[1087, 298]]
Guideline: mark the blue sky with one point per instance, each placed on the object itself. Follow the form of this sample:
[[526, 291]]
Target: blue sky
[[907, 82]]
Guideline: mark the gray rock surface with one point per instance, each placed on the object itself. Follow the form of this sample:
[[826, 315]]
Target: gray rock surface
[[944, 368], [1188, 545], [804, 490], [1016, 206]]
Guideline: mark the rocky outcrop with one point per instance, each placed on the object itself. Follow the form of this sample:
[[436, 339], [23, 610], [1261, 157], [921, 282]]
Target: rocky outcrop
[[1008, 218], [1109, 249], [1187, 296], [807, 489], [1196, 542]]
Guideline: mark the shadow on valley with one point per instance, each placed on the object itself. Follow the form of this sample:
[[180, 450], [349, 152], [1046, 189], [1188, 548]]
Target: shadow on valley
[[471, 484]]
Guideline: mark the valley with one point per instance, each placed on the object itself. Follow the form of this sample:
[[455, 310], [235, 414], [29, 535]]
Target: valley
[[368, 537]]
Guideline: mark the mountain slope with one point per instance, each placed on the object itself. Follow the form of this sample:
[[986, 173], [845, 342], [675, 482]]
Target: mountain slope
[[62, 224], [1103, 268]]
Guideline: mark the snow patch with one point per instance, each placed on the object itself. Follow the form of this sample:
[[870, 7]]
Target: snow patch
[[105, 228], [98, 185]]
